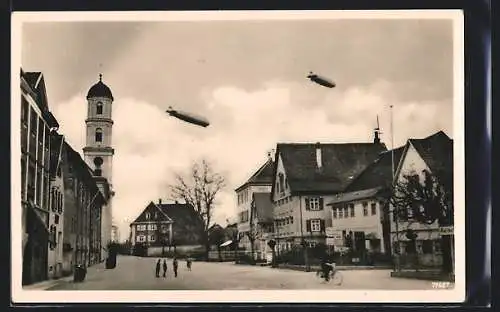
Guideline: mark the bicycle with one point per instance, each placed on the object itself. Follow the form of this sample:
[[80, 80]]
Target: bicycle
[[334, 275]]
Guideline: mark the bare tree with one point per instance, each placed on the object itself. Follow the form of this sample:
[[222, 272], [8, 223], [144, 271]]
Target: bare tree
[[252, 233], [199, 188], [426, 202]]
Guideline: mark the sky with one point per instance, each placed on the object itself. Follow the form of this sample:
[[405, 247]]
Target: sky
[[248, 78]]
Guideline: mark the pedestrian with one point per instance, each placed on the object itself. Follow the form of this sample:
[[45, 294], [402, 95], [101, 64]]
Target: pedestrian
[[189, 261], [158, 267], [164, 268], [176, 264]]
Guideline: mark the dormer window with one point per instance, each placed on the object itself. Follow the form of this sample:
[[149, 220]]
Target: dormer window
[[99, 108]]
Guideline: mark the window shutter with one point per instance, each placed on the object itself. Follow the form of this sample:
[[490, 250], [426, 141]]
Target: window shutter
[[322, 225], [307, 203], [308, 225], [321, 203]]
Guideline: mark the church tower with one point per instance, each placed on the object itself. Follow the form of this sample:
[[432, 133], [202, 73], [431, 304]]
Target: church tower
[[98, 151]]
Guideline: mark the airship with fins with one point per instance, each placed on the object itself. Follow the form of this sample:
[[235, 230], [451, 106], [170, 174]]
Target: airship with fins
[[321, 80], [188, 117]]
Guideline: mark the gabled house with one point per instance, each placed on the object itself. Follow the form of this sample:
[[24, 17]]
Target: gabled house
[[260, 181], [160, 225], [433, 154], [306, 177], [360, 213], [153, 227], [56, 215]]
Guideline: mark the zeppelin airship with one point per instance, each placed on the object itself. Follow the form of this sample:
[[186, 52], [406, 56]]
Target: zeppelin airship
[[188, 117], [320, 80]]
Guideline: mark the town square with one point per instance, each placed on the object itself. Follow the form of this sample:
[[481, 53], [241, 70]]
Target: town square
[[252, 154]]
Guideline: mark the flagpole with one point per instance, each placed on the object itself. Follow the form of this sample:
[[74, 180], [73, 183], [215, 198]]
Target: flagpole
[[395, 210]]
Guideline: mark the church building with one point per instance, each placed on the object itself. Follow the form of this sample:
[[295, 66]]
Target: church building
[[98, 152]]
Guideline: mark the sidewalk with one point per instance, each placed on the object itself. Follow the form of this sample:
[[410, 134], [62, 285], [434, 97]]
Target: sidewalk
[[44, 285], [338, 267]]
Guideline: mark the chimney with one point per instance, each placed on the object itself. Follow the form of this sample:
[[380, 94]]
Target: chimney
[[318, 156], [159, 201]]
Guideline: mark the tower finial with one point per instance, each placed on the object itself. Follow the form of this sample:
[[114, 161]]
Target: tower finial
[[100, 77]]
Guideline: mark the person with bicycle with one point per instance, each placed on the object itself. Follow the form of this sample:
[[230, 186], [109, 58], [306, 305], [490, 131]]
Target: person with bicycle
[[327, 265]]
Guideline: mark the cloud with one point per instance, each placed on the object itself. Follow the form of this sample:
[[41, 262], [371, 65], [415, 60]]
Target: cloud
[[150, 145]]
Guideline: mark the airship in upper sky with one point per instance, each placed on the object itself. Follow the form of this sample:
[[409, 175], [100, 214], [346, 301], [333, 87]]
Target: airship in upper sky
[[321, 80], [188, 117]]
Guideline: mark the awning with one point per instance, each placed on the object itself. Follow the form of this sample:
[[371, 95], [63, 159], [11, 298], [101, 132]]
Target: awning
[[226, 243]]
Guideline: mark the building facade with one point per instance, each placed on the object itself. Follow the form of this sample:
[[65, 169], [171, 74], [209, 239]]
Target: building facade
[[361, 213], [433, 154], [261, 224], [259, 182], [162, 225], [56, 215], [307, 177], [84, 199], [99, 151], [36, 125]]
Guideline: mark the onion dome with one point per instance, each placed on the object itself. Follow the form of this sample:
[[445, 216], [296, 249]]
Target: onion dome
[[100, 90]]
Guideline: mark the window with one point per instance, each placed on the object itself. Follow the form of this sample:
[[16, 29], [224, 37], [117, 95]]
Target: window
[[335, 212], [281, 182], [346, 211], [152, 238], [147, 215], [23, 178], [39, 187], [341, 213], [314, 204], [374, 209], [156, 217], [98, 135], [351, 206], [365, 209], [141, 238], [99, 108], [291, 220], [427, 246], [33, 122], [316, 225]]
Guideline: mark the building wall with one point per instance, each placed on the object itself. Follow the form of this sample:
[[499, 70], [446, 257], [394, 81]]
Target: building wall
[[366, 219], [150, 233], [56, 227], [82, 219], [244, 197], [35, 145], [414, 163]]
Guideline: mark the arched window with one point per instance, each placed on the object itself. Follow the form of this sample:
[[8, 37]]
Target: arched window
[[99, 108], [98, 135]]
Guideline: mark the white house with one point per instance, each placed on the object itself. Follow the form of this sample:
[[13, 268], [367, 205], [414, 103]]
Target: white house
[[259, 182], [306, 178], [361, 211], [56, 214], [434, 154]]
